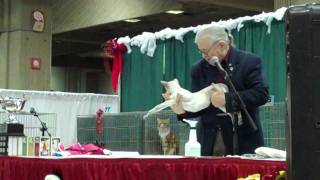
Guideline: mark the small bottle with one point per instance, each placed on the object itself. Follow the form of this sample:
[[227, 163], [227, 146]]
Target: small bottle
[[192, 147]]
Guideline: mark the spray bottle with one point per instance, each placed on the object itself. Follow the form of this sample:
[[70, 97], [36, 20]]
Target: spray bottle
[[192, 147]]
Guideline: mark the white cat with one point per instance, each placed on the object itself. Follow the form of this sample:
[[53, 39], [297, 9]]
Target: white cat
[[191, 102]]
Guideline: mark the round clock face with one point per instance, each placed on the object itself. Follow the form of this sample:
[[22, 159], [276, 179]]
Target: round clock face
[[37, 15], [36, 63]]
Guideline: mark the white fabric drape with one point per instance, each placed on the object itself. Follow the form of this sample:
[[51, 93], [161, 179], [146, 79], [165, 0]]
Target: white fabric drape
[[146, 40], [67, 106]]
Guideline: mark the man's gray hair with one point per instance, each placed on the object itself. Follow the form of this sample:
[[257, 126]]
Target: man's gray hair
[[214, 33]]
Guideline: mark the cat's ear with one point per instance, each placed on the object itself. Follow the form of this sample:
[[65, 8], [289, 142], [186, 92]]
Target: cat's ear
[[176, 81], [164, 83]]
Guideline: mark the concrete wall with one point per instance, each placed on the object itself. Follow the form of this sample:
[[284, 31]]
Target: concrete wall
[[18, 44]]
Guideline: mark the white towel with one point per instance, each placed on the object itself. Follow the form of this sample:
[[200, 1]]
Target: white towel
[[270, 152]]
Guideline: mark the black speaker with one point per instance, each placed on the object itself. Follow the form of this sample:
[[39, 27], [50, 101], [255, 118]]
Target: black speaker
[[303, 90]]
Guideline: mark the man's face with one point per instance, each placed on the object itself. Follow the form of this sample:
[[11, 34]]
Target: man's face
[[208, 49]]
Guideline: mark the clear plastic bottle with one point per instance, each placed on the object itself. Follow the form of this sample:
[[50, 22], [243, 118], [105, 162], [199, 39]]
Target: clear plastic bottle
[[192, 147]]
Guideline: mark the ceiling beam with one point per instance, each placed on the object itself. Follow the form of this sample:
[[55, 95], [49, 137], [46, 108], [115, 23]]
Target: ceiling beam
[[70, 15], [70, 40]]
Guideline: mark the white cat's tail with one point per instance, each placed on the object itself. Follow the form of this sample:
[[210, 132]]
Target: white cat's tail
[[145, 116], [160, 107]]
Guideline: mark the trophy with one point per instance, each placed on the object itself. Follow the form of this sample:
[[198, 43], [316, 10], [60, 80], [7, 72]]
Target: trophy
[[12, 106]]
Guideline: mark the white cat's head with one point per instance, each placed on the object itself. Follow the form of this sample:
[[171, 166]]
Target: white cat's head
[[171, 86]]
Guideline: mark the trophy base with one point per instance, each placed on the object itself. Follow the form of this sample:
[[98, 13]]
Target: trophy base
[[12, 129]]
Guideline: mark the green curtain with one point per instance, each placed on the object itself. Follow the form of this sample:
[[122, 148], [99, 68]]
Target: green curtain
[[253, 37], [141, 89], [140, 83], [179, 56]]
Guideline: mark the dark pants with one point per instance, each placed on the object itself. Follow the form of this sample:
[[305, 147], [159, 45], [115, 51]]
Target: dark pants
[[246, 141], [207, 136]]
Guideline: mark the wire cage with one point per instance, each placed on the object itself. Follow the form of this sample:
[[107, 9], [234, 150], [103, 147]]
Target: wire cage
[[121, 132], [151, 138], [130, 132], [273, 125], [31, 123]]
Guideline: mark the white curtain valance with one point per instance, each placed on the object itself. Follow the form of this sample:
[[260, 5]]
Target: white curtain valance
[[147, 40]]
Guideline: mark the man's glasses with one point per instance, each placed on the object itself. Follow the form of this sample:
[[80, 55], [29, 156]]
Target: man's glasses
[[206, 51]]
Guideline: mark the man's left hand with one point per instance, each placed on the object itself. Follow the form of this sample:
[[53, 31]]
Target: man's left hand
[[218, 98]]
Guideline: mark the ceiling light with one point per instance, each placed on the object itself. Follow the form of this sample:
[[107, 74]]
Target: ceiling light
[[174, 11], [132, 20]]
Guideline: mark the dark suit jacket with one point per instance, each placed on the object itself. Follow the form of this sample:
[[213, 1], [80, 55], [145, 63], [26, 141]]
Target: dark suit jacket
[[245, 70]]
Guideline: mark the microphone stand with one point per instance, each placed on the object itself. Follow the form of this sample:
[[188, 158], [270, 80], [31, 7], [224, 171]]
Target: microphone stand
[[242, 104], [43, 125]]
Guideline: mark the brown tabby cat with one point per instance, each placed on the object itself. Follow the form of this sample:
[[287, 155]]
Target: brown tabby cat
[[169, 142]]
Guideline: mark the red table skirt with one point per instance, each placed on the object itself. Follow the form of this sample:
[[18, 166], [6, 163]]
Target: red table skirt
[[12, 168]]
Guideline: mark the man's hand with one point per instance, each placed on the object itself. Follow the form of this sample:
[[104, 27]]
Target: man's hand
[[177, 107], [218, 98]]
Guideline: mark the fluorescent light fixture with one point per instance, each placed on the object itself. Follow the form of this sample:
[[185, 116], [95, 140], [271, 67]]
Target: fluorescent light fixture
[[174, 11], [132, 20]]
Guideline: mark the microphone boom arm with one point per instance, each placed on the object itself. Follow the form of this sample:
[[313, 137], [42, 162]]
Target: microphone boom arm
[[242, 104], [44, 127], [226, 76]]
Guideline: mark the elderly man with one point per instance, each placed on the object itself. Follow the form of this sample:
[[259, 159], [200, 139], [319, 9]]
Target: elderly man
[[216, 130]]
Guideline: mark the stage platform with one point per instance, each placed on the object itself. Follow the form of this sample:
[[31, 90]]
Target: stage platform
[[139, 167]]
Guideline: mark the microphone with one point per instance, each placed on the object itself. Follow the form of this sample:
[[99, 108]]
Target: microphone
[[33, 111], [43, 124], [214, 61]]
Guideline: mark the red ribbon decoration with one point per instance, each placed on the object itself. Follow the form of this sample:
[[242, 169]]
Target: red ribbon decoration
[[115, 51], [99, 121]]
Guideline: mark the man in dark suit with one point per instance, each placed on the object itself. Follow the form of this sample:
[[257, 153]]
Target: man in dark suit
[[245, 71]]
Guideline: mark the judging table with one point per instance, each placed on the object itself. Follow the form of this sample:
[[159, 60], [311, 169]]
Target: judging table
[[139, 168]]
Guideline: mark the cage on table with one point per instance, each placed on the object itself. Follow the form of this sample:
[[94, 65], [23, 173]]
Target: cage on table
[[273, 125], [121, 132], [130, 132]]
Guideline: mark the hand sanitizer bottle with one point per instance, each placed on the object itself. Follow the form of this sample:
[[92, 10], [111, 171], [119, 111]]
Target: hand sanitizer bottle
[[192, 147]]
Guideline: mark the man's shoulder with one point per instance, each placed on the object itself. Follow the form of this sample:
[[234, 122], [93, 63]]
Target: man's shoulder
[[198, 64], [247, 57]]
